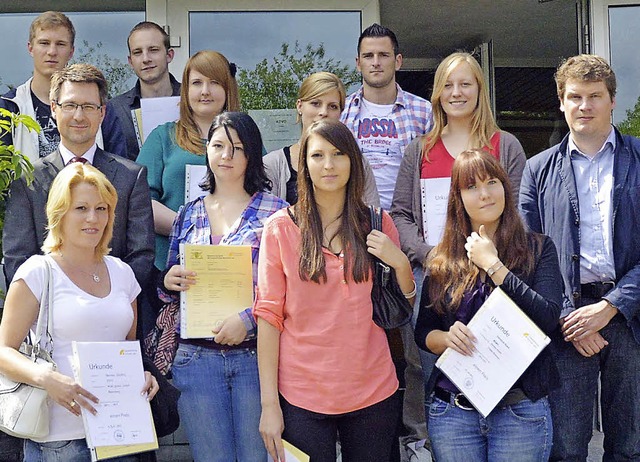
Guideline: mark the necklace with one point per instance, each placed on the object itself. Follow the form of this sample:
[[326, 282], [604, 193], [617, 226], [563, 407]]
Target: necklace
[[93, 275]]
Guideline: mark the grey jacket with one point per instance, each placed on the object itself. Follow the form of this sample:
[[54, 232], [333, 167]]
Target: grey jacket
[[406, 208]]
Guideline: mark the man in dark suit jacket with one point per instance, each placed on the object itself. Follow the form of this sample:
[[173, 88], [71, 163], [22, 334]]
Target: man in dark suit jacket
[[78, 98]]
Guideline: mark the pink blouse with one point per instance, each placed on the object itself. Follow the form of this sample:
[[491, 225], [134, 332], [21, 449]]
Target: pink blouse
[[333, 358]]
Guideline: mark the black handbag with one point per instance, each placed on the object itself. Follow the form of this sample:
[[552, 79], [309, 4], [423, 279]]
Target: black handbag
[[391, 309]]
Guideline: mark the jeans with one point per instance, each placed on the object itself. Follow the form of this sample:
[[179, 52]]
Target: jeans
[[365, 434], [63, 451], [618, 366], [521, 432], [220, 403]]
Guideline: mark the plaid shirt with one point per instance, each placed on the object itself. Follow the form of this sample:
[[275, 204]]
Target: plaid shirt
[[412, 113], [247, 230]]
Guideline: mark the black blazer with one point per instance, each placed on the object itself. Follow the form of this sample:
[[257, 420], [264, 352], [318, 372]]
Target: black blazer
[[133, 233]]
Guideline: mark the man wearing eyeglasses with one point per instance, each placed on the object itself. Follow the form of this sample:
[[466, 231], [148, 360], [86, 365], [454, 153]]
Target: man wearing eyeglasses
[[78, 96], [51, 38]]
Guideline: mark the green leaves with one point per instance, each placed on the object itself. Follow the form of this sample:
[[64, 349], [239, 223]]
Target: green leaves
[[13, 164], [274, 84], [631, 125]]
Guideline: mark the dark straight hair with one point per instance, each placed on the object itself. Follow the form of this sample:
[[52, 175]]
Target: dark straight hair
[[255, 178]]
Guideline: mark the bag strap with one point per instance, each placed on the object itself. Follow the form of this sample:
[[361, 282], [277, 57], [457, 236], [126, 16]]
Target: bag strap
[[46, 302], [376, 217]]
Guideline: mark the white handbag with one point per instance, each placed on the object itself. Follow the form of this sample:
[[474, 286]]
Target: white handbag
[[24, 408]]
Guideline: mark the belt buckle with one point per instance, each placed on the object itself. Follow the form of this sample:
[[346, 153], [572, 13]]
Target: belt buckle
[[456, 401]]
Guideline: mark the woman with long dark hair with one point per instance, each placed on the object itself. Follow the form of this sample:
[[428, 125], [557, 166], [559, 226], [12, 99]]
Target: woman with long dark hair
[[325, 367], [486, 245], [218, 376]]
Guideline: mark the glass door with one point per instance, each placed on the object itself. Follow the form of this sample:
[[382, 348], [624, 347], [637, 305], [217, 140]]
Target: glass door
[[616, 37]]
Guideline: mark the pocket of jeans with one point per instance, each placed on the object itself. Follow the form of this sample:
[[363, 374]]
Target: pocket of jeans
[[530, 411], [184, 356], [438, 408]]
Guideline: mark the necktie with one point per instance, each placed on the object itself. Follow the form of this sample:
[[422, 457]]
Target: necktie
[[77, 159]]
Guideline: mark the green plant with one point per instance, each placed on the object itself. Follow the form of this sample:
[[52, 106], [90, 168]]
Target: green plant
[[13, 164], [274, 84], [631, 125]]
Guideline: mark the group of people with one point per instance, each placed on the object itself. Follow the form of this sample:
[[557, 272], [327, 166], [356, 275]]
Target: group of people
[[306, 363]]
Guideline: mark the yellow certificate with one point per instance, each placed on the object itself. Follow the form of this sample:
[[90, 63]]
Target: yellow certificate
[[224, 286]]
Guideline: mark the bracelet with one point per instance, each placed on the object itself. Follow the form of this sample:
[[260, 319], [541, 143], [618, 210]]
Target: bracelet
[[411, 294], [493, 269]]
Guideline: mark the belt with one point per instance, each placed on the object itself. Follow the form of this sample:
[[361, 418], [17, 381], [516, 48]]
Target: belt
[[596, 290], [455, 399], [513, 396]]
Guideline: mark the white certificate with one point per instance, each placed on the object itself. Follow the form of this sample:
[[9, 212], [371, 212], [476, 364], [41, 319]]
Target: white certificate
[[435, 197], [157, 111], [193, 176], [113, 372], [507, 343]]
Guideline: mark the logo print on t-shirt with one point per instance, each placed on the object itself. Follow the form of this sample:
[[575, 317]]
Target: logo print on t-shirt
[[383, 128]]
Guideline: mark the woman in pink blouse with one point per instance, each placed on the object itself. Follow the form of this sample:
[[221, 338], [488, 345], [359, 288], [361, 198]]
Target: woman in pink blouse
[[325, 367]]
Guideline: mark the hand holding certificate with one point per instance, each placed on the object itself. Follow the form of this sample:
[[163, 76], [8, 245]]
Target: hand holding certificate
[[113, 372], [224, 286], [507, 343]]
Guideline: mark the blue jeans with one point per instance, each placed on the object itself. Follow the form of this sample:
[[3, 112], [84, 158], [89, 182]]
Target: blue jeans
[[520, 431], [220, 403], [63, 451], [618, 366]]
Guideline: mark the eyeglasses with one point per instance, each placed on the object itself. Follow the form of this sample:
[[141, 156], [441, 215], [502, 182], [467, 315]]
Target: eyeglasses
[[72, 107]]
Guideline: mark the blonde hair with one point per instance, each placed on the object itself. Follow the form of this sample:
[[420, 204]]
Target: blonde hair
[[214, 66], [318, 84], [483, 124], [51, 20], [59, 203]]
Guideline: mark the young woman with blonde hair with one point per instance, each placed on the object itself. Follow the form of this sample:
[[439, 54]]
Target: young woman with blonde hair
[[94, 300], [462, 119], [321, 96]]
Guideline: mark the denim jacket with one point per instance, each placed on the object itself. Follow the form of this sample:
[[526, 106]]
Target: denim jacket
[[549, 205]]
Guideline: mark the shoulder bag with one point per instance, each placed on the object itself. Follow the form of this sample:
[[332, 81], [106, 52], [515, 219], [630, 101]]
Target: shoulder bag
[[391, 309], [24, 408]]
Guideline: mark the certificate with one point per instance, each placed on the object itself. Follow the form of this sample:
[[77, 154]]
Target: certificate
[[157, 111], [113, 372], [507, 343], [435, 198], [292, 453], [224, 286], [193, 176]]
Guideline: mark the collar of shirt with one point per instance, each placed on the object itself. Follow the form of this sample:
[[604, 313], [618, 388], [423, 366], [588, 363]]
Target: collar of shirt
[[68, 155], [400, 99], [574, 150]]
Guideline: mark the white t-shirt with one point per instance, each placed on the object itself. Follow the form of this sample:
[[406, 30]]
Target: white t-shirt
[[80, 316], [378, 139]]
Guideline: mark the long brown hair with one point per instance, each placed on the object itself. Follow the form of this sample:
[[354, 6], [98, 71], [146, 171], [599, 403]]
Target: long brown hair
[[451, 272], [483, 124], [354, 220], [214, 66]]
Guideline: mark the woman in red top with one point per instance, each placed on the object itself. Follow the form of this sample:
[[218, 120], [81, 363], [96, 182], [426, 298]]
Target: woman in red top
[[462, 119], [325, 367]]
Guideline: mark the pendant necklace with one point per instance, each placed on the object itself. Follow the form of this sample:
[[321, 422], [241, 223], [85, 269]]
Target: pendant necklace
[[93, 275]]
